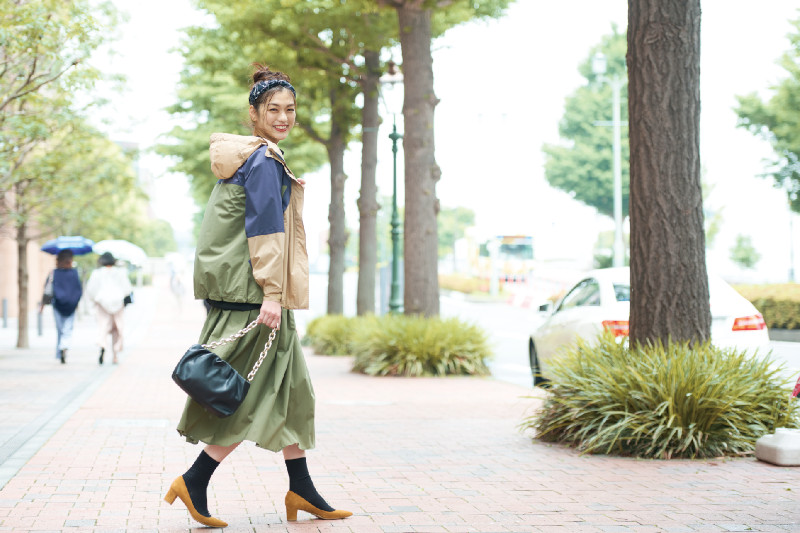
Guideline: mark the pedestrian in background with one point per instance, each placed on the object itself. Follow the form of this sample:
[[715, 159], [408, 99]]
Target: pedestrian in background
[[63, 291], [107, 288], [251, 264]]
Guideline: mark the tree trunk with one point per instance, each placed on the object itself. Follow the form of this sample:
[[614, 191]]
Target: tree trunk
[[421, 293], [669, 283], [22, 286], [367, 201], [337, 237]]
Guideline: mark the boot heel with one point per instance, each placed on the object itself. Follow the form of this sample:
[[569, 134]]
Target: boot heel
[[170, 497], [291, 514]]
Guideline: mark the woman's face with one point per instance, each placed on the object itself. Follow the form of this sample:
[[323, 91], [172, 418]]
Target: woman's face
[[275, 118]]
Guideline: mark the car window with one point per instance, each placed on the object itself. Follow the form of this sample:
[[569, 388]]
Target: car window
[[622, 293], [587, 292]]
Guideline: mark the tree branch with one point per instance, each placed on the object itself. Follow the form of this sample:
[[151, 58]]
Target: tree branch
[[311, 132], [37, 86], [320, 46]]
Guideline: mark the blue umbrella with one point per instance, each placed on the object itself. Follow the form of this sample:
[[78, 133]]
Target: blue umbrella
[[79, 245]]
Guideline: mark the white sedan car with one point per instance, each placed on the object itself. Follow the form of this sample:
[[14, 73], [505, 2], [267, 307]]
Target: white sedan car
[[601, 301]]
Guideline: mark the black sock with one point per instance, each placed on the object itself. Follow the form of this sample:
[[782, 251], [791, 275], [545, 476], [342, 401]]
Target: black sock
[[300, 483], [197, 478]]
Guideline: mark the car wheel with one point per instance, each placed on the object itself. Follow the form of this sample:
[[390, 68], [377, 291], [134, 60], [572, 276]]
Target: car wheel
[[538, 380]]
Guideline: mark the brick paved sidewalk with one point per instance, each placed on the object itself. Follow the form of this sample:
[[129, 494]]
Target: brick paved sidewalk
[[405, 455]]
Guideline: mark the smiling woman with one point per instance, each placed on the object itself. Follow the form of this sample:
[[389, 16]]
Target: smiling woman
[[251, 267], [272, 105]]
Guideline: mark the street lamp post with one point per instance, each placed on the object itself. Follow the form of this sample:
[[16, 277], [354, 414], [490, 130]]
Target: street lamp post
[[791, 195], [599, 68], [389, 81]]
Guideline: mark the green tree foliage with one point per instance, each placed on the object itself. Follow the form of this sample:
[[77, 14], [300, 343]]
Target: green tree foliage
[[79, 183], [156, 238], [44, 45], [419, 22], [453, 221], [212, 97], [582, 165], [777, 119], [743, 253], [322, 45], [57, 174]]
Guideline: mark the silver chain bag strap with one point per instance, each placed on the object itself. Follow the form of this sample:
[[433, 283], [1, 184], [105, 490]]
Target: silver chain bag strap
[[212, 382]]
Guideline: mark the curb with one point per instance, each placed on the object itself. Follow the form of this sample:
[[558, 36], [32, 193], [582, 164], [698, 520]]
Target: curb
[[786, 335]]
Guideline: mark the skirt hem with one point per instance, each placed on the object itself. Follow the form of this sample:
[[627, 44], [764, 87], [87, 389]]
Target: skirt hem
[[193, 440]]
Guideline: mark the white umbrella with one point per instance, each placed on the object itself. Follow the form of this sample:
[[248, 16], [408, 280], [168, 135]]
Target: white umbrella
[[121, 249]]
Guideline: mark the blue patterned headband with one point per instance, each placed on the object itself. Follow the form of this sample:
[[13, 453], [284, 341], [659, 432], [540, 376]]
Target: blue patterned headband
[[263, 86]]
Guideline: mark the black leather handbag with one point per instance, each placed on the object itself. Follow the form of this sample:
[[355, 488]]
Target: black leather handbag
[[211, 381]]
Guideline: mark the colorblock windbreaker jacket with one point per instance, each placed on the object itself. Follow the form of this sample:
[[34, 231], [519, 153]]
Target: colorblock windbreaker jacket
[[252, 244]]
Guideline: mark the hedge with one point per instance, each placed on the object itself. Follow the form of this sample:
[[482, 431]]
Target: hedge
[[779, 303]]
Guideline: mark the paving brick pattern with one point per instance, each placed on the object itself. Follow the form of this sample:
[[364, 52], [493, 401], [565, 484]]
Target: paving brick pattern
[[405, 455]]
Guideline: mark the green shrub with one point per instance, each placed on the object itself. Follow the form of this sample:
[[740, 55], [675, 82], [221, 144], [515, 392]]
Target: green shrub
[[402, 345], [659, 402], [461, 283], [418, 346], [330, 334], [133, 277], [779, 303]]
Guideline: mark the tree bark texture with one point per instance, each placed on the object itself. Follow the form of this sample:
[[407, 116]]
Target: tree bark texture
[[669, 283], [22, 285], [421, 291], [337, 236], [367, 200]]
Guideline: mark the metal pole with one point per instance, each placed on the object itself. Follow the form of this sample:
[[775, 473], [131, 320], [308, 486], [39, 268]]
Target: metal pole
[[5, 312], [395, 299], [494, 283], [791, 244], [619, 247], [790, 196]]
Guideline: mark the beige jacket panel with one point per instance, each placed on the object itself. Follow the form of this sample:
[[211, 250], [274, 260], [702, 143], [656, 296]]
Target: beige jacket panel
[[279, 261], [230, 151]]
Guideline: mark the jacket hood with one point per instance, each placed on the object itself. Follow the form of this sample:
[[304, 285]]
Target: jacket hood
[[229, 152]]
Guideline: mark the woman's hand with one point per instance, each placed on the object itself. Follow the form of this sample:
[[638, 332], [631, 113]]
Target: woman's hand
[[270, 314]]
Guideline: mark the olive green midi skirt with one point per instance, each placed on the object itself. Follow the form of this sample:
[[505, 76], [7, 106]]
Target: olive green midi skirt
[[278, 410]]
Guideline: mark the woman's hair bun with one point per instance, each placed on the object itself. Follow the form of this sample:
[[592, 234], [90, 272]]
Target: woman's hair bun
[[263, 73]]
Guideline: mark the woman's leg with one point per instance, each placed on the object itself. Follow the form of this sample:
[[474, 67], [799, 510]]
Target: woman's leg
[[302, 494], [195, 481], [103, 327], [199, 474], [66, 333], [59, 319], [293, 452], [218, 453], [117, 325]]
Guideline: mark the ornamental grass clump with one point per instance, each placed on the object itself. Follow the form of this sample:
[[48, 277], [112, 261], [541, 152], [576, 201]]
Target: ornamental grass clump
[[663, 402], [330, 334], [400, 345]]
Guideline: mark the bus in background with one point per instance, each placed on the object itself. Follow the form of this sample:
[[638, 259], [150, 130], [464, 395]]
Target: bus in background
[[512, 254]]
